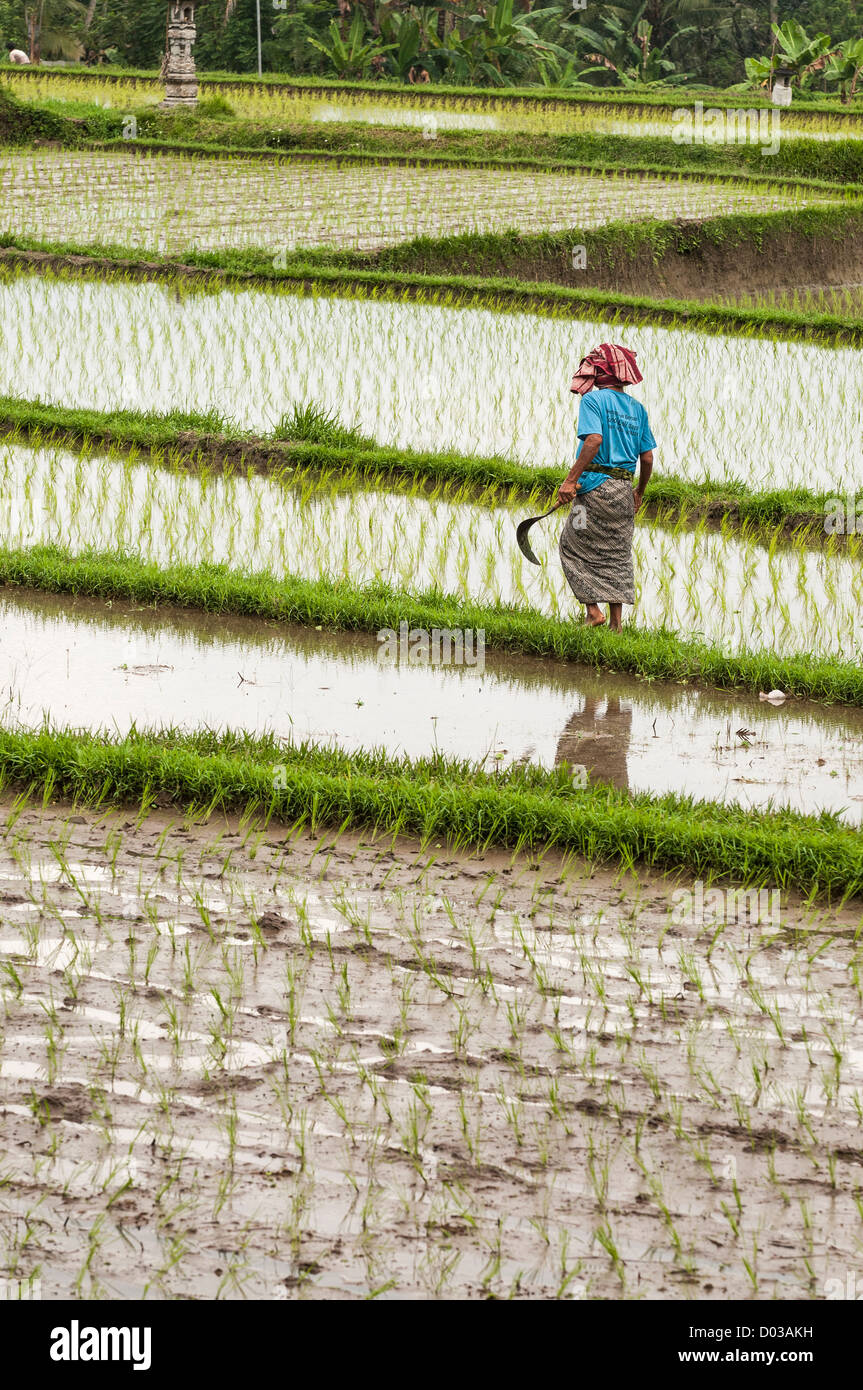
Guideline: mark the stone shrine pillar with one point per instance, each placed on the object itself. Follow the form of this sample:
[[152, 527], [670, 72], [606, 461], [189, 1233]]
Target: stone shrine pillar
[[178, 65]]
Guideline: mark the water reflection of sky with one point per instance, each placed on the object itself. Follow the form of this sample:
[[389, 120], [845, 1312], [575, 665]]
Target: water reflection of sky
[[84, 666]]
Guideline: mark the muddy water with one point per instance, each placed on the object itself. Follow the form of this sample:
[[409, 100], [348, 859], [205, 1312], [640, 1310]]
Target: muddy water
[[84, 665], [733, 593], [435, 378], [523, 1063]]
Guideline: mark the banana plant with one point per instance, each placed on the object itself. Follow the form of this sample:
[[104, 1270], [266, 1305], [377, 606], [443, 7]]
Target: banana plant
[[404, 38], [794, 50], [352, 57], [494, 44], [845, 66]]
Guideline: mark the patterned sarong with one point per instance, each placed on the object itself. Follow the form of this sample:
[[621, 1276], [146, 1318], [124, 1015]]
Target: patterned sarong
[[596, 544]]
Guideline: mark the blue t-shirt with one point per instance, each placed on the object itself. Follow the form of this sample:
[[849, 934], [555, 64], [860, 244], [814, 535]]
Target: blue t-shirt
[[622, 422]]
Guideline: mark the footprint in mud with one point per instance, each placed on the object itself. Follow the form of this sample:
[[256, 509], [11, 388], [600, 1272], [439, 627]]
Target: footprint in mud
[[69, 1102], [274, 922]]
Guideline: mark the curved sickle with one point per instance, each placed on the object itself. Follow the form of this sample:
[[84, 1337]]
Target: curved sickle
[[523, 527]]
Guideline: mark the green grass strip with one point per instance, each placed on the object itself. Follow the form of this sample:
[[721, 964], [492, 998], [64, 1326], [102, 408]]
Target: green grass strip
[[437, 800], [217, 270], [653, 654], [207, 440]]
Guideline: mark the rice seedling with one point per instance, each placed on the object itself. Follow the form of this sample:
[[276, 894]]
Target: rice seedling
[[482, 109], [176, 204], [343, 355]]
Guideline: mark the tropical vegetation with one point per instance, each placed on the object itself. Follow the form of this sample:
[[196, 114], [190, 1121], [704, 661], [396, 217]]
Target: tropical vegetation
[[568, 44]]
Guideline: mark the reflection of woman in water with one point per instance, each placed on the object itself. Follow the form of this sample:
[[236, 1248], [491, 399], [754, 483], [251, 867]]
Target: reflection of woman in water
[[599, 743]]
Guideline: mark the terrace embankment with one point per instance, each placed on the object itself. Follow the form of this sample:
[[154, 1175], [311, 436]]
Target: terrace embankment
[[719, 259], [323, 553], [839, 117], [243, 1063]]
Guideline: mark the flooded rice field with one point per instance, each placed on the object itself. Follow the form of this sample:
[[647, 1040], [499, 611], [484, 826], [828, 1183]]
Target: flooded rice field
[[86, 664], [243, 1063], [93, 666], [434, 378], [733, 592], [426, 110], [174, 204]]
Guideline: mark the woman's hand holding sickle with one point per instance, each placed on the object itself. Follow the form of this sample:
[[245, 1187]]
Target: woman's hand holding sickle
[[567, 491], [565, 495]]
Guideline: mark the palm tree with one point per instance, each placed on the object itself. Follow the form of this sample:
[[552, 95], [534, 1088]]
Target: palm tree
[[630, 55], [51, 27]]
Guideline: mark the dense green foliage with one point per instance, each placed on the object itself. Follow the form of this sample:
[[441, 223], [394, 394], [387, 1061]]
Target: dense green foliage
[[632, 43]]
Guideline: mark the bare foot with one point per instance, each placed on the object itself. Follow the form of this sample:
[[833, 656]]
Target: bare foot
[[595, 616]]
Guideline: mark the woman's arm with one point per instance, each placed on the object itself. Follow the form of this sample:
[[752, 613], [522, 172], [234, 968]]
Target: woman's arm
[[644, 472], [589, 450]]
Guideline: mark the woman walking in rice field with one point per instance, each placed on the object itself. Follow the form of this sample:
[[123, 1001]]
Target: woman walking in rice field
[[614, 434]]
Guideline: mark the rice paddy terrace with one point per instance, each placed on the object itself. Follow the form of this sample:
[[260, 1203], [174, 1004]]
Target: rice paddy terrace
[[375, 103], [177, 204], [329, 968]]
